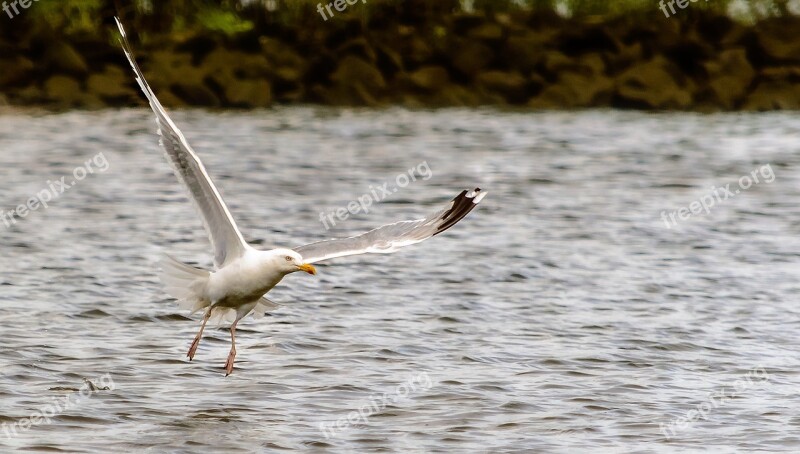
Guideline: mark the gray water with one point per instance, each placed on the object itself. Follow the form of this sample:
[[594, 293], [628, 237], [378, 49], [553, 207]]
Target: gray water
[[562, 315]]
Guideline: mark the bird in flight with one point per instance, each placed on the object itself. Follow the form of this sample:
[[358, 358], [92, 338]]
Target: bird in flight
[[243, 274]]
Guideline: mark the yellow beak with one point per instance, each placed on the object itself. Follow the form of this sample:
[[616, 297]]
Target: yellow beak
[[308, 268]]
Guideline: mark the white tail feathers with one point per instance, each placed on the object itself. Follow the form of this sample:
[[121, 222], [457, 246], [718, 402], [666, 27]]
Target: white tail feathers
[[185, 283]]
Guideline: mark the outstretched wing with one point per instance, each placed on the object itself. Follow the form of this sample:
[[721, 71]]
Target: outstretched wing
[[391, 237], [225, 237]]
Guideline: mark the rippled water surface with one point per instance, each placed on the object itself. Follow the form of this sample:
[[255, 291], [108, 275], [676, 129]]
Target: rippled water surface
[[562, 315]]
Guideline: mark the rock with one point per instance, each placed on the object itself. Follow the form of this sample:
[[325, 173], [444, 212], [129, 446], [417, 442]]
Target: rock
[[354, 94], [430, 78], [730, 78], [226, 67], [174, 72], [281, 55], [471, 57], [164, 68], [511, 85], [555, 62], [573, 90], [196, 94], [359, 47], [779, 43], [524, 53], [15, 70], [487, 32], [651, 85], [30, 95], [773, 95], [416, 51], [64, 91], [786, 73], [111, 85], [353, 70], [389, 61], [60, 57], [249, 93], [455, 95]]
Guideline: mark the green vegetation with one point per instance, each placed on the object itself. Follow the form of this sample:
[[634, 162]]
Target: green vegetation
[[74, 17]]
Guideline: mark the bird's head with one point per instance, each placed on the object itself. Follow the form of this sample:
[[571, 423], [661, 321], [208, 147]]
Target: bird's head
[[290, 262]]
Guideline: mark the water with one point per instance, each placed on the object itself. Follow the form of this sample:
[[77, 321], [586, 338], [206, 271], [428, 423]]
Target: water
[[561, 315]]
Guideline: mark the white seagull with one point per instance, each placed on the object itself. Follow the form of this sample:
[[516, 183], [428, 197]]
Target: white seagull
[[243, 274]]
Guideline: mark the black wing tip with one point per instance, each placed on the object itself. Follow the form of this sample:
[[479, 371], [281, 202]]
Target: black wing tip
[[463, 203]]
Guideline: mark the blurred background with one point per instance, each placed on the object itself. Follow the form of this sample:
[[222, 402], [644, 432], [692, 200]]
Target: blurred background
[[540, 54]]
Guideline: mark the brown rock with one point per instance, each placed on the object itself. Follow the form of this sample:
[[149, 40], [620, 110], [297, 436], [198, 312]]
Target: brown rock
[[60, 57], [225, 66], [281, 55], [651, 85], [249, 93], [111, 85], [779, 41], [524, 53], [353, 70], [773, 95], [471, 57], [388, 60], [730, 78], [455, 95], [15, 70], [430, 78], [575, 89], [62, 90], [359, 47], [511, 85], [174, 72], [487, 32]]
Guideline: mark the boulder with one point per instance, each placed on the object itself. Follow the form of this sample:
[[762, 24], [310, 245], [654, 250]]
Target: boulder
[[471, 57], [487, 32], [174, 72], [779, 43], [359, 47], [63, 91], [510, 85], [524, 53], [249, 93], [60, 57], [111, 85], [353, 70], [281, 55], [730, 77], [430, 78], [774, 95], [225, 67], [573, 90], [16, 69], [651, 85]]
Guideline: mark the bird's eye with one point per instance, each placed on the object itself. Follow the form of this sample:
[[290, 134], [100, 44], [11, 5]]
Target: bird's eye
[[288, 259]]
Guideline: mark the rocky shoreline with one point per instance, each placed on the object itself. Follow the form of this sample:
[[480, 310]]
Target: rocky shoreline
[[703, 62]]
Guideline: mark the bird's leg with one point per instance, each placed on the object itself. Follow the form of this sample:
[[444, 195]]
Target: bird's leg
[[196, 342], [232, 354]]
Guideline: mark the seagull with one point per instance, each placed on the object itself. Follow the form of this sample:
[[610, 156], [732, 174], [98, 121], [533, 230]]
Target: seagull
[[243, 274]]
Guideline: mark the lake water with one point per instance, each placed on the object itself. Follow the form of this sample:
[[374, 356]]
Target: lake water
[[563, 315]]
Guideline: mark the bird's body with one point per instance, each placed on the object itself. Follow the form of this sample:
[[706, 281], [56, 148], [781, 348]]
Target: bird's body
[[243, 275]]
